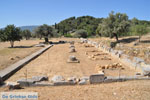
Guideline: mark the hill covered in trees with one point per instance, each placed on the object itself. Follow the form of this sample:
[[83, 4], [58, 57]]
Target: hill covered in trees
[[116, 24], [30, 27], [73, 24]]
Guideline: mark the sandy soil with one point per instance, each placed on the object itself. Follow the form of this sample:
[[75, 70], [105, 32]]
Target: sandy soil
[[54, 62], [131, 90]]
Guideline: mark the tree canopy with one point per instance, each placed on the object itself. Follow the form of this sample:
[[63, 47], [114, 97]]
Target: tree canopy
[[44, 31], [11, 33], [114, 25], [73, 24], [26, 34]]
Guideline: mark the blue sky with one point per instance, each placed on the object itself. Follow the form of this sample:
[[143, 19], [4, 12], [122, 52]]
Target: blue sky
[[37, 12]]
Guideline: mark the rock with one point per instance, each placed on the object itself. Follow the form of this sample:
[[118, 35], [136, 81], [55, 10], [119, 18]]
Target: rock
[[110, 79], [138, 73], [43, 83], [72, 50], [13, 85], [17, 57], [82, 82], [26, 82], [119, 54], [40, 78], [62, 41], [57, 78], [101, 72], [1, 81], [85, 78], [135, 43], [71, 79], [72, 42], [97, 78], [146, 71], [138, 60], [12, 58], [72, 46], [40, 45], [58, 83], [73, 59]]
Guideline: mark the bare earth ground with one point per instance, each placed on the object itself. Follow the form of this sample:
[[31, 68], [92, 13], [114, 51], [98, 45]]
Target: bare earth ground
[[22, 49], [54, 62], [131, 90]]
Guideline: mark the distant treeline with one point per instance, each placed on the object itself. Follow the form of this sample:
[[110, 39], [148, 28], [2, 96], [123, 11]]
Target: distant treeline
[[115, 25]]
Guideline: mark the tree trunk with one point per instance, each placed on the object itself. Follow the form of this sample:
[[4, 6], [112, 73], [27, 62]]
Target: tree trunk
[[12, 44], [46, 39], [116, 36], [139, 38]]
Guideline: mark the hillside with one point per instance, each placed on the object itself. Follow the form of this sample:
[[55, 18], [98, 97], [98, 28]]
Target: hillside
[[31, 28]]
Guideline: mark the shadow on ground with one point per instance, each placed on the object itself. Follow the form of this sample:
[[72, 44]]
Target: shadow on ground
[[21, 47], [145, 41], [128, 40]]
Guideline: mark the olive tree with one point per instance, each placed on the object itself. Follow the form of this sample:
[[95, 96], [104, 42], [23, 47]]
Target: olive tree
[[11, 34], [44, 31], [26, 33], [114, 25], [139, 30]]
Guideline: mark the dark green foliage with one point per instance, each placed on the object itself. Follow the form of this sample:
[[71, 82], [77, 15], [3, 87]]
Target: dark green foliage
[[11, 33], [72, 24], [26, 34], [81, 33], [114, 25], [44, 31], [139, 30]]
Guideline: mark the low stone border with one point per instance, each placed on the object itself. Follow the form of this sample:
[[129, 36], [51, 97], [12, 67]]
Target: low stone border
[[135, 64], [7, 72]]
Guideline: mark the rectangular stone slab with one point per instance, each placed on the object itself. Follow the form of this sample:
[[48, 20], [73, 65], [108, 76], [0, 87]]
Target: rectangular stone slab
[[26, 82], [64, 83], [96, 78]]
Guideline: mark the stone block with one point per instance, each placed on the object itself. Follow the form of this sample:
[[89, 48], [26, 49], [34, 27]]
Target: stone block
[[72, 50], [57, 78], [72, 79], [26, 82], [40, 78], [97, 78], [43, 83], [83, 82], [138, 60], [40, 45], [13, 85], [73, 59], [146, 71], [85, 78], [59, 83]]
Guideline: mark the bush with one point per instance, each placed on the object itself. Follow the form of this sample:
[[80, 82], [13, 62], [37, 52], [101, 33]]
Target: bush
[[68, 35], [81, 33]]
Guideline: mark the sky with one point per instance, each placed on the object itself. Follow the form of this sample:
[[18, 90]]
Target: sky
[[38, 12]]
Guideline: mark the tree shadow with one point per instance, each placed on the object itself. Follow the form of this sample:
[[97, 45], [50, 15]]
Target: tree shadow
[[128, 40], [145, 41], [22, 47]]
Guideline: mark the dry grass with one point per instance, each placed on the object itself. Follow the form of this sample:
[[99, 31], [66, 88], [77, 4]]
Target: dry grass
[[22, 49]]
